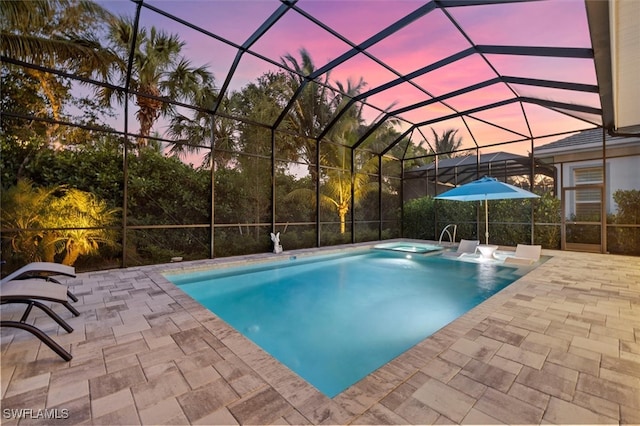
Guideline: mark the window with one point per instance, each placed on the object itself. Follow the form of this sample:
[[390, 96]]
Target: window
[[588, 200], [590, 175]]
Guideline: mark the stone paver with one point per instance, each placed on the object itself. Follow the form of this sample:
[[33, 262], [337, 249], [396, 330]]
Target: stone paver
[[558, 346], [444, 399], [508, 409], [562, 412]]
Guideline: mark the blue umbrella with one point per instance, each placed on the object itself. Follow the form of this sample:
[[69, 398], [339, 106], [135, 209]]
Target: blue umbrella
[[484, 189]]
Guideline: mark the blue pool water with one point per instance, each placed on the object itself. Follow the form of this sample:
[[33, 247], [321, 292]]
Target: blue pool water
[[335, 319]]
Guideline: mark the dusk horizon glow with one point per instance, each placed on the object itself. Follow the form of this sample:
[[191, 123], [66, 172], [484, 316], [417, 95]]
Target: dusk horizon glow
[[428, 39]]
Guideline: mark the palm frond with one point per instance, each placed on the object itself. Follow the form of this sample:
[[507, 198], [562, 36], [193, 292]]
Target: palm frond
[[19, 16]]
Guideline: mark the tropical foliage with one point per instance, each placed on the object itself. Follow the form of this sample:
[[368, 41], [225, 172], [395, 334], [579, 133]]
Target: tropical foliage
[[159, 71], [624, 238], [312, 111], [59, 34], [445, 145], [55, 223]]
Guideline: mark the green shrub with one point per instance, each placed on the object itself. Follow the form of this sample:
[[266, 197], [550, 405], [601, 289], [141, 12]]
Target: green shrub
[[625, 239]]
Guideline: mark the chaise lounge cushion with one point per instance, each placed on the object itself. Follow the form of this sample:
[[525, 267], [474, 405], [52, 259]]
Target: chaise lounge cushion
[[33, 289], [525, 255], [32, 292], [465, 247], [42, 270], [36, 269]]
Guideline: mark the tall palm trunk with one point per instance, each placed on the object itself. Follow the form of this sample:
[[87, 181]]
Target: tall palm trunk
[[55, 104], [48, 246], [72, 253], [343, 209], [148, 113]]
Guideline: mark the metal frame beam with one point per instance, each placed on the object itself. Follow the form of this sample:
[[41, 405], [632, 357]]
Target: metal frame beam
[[541, 102]]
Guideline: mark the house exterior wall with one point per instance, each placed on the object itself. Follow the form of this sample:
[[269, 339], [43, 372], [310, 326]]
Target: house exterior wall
[[621, 173], [622, 167]]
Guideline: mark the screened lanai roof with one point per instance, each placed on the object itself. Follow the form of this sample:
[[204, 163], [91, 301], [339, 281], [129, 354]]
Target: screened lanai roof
[[499, 72], [510, 71], [460, 170]]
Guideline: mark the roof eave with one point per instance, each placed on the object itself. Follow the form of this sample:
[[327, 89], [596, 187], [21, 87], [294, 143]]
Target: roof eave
[[598, 18]]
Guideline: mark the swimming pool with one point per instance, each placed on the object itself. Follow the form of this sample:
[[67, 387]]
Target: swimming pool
[[334, 319]]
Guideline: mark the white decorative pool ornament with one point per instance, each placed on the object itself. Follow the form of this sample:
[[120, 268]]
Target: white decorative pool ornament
[[277, 248]]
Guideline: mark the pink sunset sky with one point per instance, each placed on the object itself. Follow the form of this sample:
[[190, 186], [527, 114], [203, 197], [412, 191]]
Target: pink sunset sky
[[430, 38]]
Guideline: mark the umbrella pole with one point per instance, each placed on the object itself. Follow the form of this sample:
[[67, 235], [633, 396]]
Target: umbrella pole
[[486, 221]]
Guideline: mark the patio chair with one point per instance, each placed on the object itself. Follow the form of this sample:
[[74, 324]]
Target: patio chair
[[465, 247], [525, 255], [38, 269], [31, 292]]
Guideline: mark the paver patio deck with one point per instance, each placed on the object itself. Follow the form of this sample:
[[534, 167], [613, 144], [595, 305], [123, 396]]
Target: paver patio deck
[[558, 346]]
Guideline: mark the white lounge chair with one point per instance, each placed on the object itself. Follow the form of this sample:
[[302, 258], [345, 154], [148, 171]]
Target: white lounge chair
[[31, 292], [465, 247], [525, 255], [42, 270]]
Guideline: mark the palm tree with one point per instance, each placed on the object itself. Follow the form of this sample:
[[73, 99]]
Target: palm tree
[[189, 133], [159, 72], [55, 34], [49, 221], [346, 130], [310, 112], [447, 144], [22, 211], [335, 185], [337, 182], [88, 216]]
